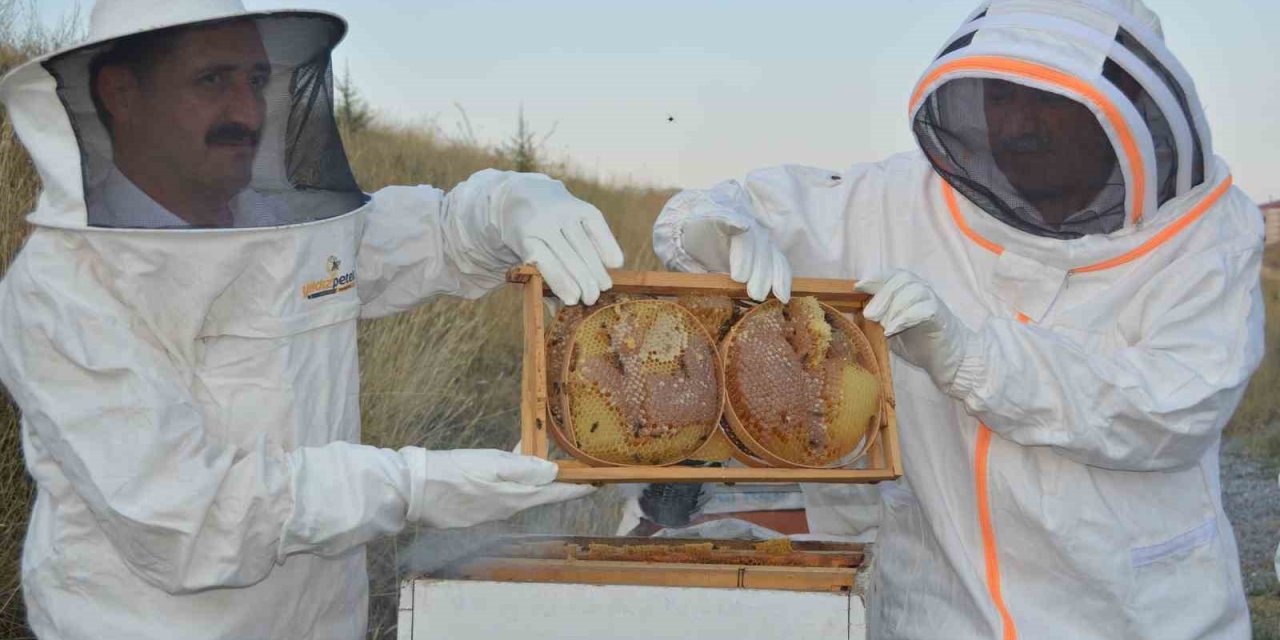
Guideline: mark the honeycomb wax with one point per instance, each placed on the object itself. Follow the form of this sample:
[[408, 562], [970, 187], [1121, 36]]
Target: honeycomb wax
[[642, 385], [801, 382]]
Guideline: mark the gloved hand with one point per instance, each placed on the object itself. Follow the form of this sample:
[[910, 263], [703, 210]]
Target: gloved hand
[[465, 487], [732, 242], [922, 329], [565, 237]]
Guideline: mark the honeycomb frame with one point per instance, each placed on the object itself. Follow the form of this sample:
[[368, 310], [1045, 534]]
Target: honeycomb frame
[[759, 449], [564, 431], [721, 446], [882, 459]]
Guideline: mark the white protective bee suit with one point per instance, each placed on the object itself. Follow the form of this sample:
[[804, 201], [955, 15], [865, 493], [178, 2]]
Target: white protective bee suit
[[1061, 389], [189, 396]]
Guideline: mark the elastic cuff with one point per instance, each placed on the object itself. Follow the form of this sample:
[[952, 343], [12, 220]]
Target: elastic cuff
[[668, 242], [416, 459], [972, 369], [288, 545]]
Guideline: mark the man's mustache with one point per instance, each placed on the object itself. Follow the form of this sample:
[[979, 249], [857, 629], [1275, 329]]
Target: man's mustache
[[1026, 143], [231, 133]]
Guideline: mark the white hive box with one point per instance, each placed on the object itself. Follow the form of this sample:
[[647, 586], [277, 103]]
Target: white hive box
[[571, 591], [433, 609]]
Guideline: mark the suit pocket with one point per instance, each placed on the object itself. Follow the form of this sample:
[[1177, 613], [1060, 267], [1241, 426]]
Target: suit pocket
[[1181, 586]]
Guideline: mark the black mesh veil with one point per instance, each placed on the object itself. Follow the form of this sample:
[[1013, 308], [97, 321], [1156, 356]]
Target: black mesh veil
[[228, 123], [1036, 160]]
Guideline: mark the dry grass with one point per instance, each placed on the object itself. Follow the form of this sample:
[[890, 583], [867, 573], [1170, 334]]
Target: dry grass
[[1266, 616]]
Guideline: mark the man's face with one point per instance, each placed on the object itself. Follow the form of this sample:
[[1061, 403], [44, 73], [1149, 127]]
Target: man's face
[[195, 113], [1050, 147]]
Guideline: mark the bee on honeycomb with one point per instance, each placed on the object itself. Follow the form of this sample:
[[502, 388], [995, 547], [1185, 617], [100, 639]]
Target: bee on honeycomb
[[801, 383]]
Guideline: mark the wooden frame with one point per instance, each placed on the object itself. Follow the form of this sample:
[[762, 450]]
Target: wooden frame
[[882, 462], [567, 565], [661, 575]]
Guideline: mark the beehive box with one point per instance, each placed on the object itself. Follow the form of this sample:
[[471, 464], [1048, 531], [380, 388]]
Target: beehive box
[[536, 587], [882, 459]]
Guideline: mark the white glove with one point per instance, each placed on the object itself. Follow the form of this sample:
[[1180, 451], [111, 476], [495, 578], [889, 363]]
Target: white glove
[[728, 241], [566, 238], [923, 330], [465, 487]]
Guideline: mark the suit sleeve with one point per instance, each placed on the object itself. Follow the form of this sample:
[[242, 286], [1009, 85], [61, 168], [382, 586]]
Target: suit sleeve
[[1157, 402], [419, 242], [102, 401]]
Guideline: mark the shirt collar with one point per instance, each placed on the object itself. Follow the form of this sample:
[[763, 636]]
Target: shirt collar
[[118, 202]]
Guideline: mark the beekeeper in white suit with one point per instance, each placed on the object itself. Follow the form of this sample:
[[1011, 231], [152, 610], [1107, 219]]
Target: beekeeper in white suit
[[180, 330], [1072, 286]]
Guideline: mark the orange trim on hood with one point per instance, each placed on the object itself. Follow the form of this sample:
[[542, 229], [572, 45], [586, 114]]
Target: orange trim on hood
[[1049, 75], [949, 194], [1164, 234], [1143, 249]]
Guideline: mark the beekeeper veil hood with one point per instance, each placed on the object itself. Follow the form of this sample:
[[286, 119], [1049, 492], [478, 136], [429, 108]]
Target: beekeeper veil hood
[[1062, 118], [186, 114]]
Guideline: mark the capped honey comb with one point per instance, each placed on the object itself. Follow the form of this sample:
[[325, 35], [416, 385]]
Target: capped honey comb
[[559, 339], [801, 383], [641, 384]]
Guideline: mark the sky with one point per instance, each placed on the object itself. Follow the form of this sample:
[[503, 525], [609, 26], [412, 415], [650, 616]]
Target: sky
[[687, 93]]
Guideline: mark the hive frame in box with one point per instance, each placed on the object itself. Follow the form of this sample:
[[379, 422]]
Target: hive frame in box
[[882, 462]]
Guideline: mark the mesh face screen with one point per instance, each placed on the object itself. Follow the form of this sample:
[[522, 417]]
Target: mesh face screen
[[222, 124], [1036, 160]]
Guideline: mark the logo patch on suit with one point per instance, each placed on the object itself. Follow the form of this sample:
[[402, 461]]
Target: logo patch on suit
[[337, 282]]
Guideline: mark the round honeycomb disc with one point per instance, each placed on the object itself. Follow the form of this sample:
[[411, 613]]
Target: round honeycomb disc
[[802, 384], [642, 385]]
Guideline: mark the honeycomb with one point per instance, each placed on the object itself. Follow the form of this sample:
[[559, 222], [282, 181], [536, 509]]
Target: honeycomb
[[642, 385], [715, 313], [558, 341], [798, 381]]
